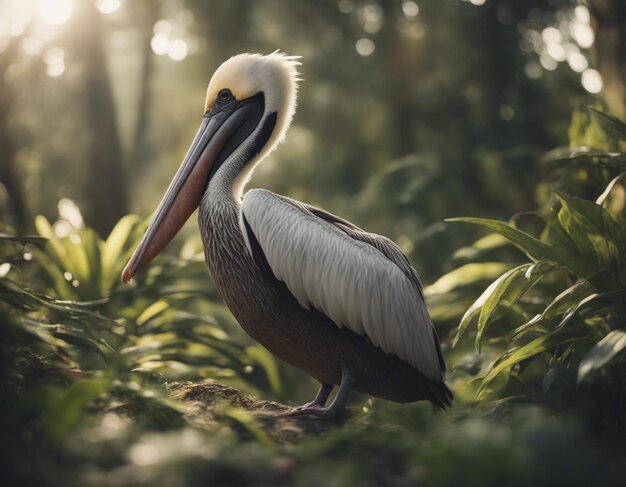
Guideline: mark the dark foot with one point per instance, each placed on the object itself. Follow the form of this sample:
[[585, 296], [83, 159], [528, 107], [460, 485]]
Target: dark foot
[[313, 411]]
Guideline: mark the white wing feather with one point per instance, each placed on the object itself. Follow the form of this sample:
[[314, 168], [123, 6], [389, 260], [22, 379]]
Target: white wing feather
[[351, 282]]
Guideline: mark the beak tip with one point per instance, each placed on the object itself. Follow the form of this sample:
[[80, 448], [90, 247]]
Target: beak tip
[[127, 275]]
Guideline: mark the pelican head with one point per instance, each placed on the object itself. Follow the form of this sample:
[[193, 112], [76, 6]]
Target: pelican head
[[249, 105]]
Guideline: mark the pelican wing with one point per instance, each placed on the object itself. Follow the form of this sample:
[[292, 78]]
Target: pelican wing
[[359, 280]]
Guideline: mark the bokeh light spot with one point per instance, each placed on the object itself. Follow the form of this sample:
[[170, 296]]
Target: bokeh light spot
[[108, 6], [583, 34], [410, 9], [345, 6], [163, 27], [551, 35], [577, 62], [177, 49], [582, 14], [159, 44], [548, 62], [32, 45], [144, 454], [557, 51], [365, 47], [591, 81], [55, 12], [533, 70], [55, 62]]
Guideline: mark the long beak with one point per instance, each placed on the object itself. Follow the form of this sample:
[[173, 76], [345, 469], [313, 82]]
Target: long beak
[[208, 151]]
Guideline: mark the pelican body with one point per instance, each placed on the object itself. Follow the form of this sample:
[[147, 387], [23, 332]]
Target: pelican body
[[318, 292]]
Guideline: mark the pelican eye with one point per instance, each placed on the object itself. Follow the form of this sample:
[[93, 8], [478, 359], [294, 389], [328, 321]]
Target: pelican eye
[[225, 95]]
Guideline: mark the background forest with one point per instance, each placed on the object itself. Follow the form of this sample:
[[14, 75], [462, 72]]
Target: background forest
[[485, 137]]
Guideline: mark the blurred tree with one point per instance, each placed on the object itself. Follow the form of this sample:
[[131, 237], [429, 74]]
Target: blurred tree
[[609, 50], [146, 14], [9, 174], [106, 188]]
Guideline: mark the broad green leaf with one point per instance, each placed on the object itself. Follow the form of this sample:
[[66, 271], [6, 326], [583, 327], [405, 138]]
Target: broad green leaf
[[564, 301], [587, 158], [598, 300], [488, 242], [60, 284], [592, 216], [538, 269], [492, 300], [611, 126], [83, 349], [25, 239], [577, 232], [602, 353], [267, 361], [83, 260], [152, 311], [557, 237], [476, 307], [246, 420], [465, 275], [116, 245], [531, 324], [518, 354], [609, 188], [534, 248], [551, 376], [67, 409], [45, 230]]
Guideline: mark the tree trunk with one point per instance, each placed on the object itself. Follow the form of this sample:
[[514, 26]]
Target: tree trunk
[[9, 176], [609, 50], [147, 15], [106, 187]]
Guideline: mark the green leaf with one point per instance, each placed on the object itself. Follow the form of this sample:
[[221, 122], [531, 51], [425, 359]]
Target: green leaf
[[466, 275], [602, 353], [598, 300], [576, 231], [586, 158], [561, 303], [480, 246], [67, 409], [518, 354], [25, 239], [534, 248], [55, 275], [613, 128], [45, 230], [267, 361], [476, 307], [116, 247], [609, 188], [492, 299], [551, 375], [246, 420], [152, 311], [592, 217]]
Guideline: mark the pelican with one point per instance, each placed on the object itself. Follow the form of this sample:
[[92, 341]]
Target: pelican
[[318, 292]]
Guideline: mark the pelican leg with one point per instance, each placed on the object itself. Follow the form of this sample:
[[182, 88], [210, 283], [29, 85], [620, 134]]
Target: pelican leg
[[320, 399], [348, 378]]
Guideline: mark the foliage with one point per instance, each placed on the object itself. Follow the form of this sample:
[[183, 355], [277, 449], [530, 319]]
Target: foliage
[[445, 112], [85, 340], [556, 322], [88, 364]]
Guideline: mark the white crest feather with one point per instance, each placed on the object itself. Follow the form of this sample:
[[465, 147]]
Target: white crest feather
[[276, 75]]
